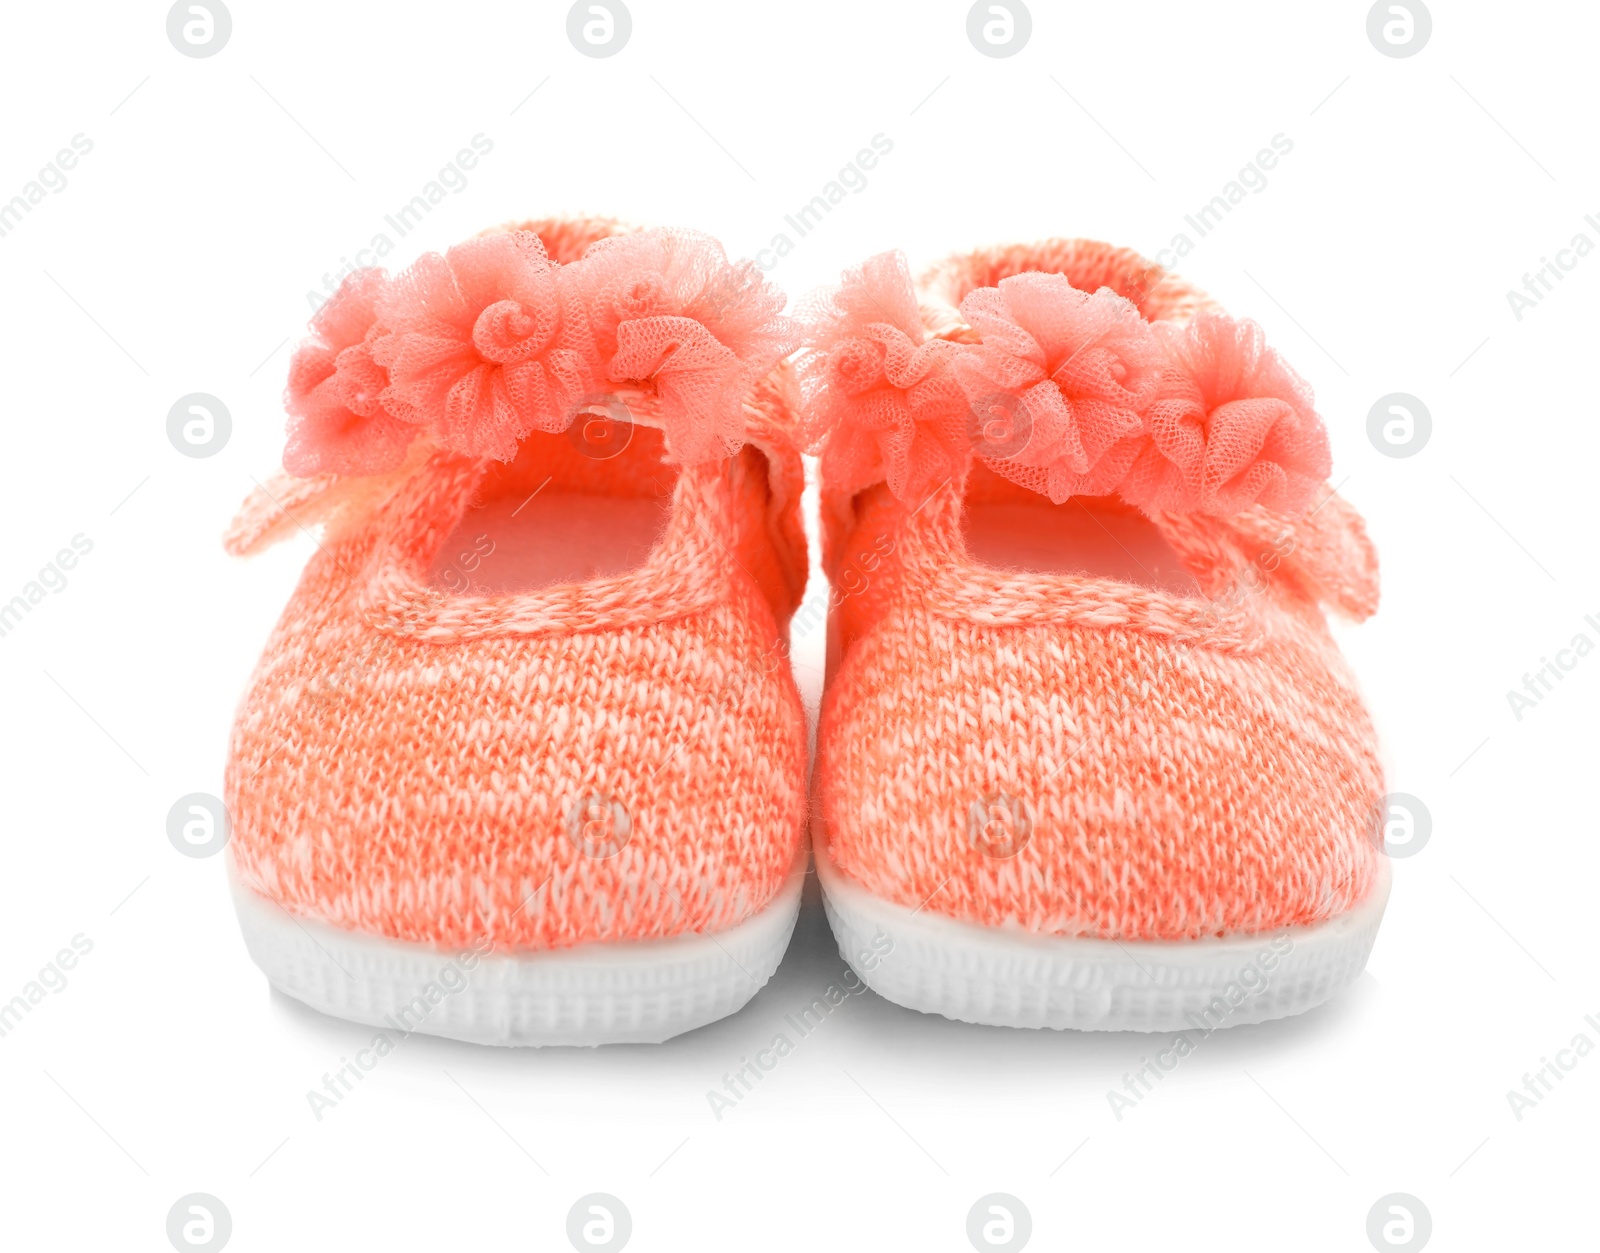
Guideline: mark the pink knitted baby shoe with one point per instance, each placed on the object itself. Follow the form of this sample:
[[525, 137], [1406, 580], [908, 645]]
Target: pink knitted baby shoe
[[1088, 756], [523, 761]]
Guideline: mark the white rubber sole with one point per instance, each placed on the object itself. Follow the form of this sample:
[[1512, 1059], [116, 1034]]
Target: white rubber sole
[[639, 992], [1009, 978]]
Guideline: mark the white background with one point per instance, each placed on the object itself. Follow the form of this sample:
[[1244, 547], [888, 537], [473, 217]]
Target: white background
[[178, 258]]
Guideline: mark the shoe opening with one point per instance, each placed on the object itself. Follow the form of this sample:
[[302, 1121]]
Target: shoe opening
[[1086, 263], [586, 503], [1011, 528]]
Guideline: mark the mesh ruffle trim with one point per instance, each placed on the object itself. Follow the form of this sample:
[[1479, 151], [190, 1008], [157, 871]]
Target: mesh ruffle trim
[[1065, 392], [476, 348]]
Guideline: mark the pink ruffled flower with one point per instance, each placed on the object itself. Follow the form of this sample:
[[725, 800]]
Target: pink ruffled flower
[[1233, 426], [665, 308], [1074, 372], [337, 422], [482, 346], [879, 397]]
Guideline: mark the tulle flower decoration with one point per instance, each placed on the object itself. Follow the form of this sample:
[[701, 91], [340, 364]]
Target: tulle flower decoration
[[879, 399], [479, 347], [1066, 392], [666, 310], [1232, 427], [483, 345], [337, 421], [1077, 370]]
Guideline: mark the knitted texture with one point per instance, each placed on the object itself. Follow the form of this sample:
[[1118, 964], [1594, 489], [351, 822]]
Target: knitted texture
[[416, 765], [619, 759], [1081, 756]]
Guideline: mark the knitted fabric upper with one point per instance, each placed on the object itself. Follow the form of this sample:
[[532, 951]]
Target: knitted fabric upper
[[416, 764], [1159, 766], [1075, 754], [621, 758]]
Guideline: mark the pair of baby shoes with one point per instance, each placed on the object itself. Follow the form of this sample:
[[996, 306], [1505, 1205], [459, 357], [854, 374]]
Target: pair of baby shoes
[[524, 762]]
